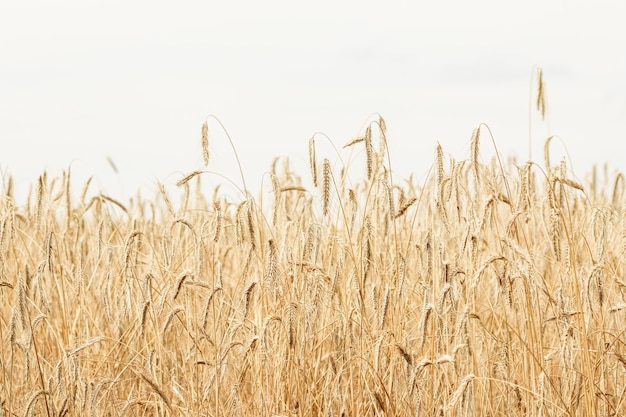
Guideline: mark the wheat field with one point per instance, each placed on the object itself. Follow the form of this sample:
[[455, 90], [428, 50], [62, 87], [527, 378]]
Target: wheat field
[[488, 290]]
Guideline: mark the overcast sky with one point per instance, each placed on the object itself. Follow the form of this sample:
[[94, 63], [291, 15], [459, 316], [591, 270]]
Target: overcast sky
[[133, 81]]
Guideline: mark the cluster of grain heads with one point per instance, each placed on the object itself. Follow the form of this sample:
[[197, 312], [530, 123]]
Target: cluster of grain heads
[[482, 291]]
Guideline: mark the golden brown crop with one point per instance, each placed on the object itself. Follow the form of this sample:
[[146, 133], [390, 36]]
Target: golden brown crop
[[483, 291]]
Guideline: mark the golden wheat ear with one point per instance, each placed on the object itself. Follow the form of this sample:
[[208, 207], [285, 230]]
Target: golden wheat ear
[[326, 186], [205, 143], [541, 100], [312, 160]]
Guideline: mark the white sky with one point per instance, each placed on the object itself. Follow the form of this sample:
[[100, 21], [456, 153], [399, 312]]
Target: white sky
[[81, 81]]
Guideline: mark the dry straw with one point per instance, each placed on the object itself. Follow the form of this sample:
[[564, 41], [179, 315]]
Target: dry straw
[[114, 201]]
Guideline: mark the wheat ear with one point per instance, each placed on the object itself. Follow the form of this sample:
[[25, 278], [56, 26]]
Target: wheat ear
[[158, 390], [312, 160], [546, 156], [166, 198], [218, 220], [460, 391], [188, 178], [369, 152], [405, 206], [475, 147], [326, 186], [541, 101], [205, 143], [272, 260], [291, 323]]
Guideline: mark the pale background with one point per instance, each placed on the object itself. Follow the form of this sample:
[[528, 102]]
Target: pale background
[[81, 81]]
